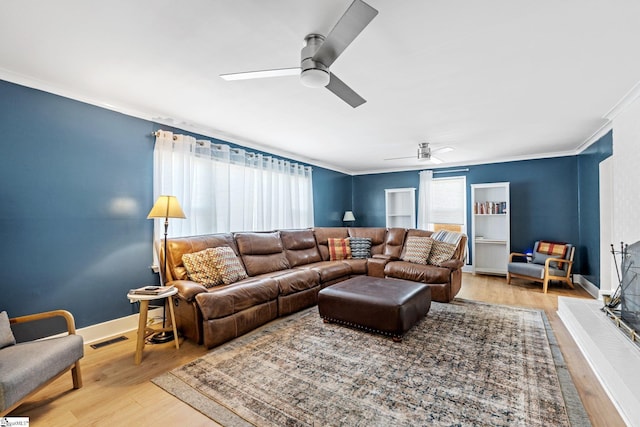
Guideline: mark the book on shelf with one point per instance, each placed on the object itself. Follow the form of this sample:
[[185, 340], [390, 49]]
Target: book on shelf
[[151, 290], [490, 208]]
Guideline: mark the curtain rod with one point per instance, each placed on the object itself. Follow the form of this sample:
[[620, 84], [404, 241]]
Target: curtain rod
[[157, 134], [453, 170]]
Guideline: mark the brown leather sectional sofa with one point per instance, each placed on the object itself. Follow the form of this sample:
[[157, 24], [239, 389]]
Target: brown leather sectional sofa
[[287, 269]]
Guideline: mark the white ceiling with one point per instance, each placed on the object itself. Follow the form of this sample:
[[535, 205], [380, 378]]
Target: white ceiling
[[495, 79]]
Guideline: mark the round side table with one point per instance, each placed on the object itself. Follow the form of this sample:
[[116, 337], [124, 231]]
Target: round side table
[[143, 330]]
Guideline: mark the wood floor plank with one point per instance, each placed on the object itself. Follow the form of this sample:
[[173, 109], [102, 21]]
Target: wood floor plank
[[117, 392]]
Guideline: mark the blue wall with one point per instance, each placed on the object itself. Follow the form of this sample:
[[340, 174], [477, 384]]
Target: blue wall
[[76, 189], [331, 197], [544, 196], [588, 252]]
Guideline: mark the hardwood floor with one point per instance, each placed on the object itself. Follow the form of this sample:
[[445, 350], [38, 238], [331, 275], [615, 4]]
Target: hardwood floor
[[117, 392]]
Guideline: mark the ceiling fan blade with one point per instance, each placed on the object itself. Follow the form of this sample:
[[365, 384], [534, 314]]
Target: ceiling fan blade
[[354, 20], [435, 160], [401, 158], [445, 149], [279, 72], [344, 92]]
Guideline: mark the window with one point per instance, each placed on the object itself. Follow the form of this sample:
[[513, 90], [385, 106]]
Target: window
[[442, 203], [223, 189]]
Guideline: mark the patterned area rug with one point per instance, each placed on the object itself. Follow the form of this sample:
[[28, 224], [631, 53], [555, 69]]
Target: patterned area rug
[[466, 363]]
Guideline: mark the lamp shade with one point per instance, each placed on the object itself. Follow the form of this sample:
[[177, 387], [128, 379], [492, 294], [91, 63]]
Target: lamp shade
[[348, 216], [166, 207]]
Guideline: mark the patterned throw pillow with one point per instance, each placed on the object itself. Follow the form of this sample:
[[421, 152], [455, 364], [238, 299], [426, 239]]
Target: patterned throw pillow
[[338, 249], [201, 268], [360, 247], [417, 249], [6, 335], [228, 265], [441, 252]]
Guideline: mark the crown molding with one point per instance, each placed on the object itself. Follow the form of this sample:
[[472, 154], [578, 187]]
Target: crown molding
[[623, 103]]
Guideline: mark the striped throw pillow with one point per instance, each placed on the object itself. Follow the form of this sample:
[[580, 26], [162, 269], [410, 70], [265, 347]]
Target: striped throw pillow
[[360, 247]]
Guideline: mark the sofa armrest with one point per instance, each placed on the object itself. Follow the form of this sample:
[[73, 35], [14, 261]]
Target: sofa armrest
[[517, 255], [188, 289], [375, 265], [453, 264]]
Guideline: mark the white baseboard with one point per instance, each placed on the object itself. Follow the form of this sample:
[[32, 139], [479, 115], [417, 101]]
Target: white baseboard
[[104, 330], [592, 289]]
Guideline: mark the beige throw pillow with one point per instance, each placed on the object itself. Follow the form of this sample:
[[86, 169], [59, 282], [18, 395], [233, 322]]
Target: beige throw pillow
[[228, 265], [441, 252]]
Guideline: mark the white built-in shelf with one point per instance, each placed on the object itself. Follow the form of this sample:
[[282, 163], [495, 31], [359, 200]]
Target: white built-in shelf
[[400, 207], [490, 235]]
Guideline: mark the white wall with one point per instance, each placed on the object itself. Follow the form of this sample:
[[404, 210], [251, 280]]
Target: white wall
[[620, 177], [626, 174]]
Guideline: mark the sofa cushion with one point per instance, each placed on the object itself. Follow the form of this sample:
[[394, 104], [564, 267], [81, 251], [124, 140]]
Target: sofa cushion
[[26, 366], [360, 247], [6, 335], [323, 234], [297, 280], [300, 247], [422, 273], [394, 242], [228, 265], [339, 249], [357, 265], [223, 301], [441, 252], [330, 270], [201, 267], [262, 252], [417, 249]]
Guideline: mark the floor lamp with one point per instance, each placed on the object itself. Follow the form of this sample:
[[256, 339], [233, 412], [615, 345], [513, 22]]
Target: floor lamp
[[165, 207]]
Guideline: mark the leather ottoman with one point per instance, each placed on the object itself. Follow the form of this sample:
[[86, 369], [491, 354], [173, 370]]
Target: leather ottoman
[[386, 306]]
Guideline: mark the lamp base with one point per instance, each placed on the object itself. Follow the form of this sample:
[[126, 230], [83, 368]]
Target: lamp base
[[162, 337]]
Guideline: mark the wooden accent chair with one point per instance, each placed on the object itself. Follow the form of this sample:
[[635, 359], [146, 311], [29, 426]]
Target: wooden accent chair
[[26, 367], [545, 265]]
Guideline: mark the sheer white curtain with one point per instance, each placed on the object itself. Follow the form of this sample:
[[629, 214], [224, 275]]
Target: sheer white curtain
[[225, 189], [424, 200]]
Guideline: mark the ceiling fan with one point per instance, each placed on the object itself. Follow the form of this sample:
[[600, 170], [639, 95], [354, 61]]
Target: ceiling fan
[[424, 153], [320, 52]]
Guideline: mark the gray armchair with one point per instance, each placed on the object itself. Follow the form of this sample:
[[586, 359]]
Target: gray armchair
[[26, 367], [542, 267]]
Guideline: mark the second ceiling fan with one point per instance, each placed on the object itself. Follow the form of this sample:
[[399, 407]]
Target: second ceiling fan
[[320, 52], [425, 153]]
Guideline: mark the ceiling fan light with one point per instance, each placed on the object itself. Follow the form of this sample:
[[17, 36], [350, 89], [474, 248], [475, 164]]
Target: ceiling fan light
[[423, 151], [314, 78]]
